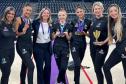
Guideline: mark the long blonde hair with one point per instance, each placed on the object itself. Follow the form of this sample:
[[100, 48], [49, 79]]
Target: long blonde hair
[[41, 12], [118, 24]]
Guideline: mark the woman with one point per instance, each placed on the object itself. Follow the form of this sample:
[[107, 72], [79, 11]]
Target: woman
[[7, 37], [61, 36], [117, 31], [42, 46], [24, 44], [98, 32], [80, 27]]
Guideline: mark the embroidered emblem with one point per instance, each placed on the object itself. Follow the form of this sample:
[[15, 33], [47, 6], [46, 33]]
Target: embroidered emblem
[[3, 61], [73, 49], [98, 25], [5, 29], [123, 56], [24, 51], [101, 51]]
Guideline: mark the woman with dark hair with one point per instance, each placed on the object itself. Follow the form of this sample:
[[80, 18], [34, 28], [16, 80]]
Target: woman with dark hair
[[24, 44], [117, 31], [7, 37], [80, 26], [42, 46]]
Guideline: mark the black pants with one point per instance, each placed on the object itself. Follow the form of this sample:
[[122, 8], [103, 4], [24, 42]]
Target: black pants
[[117, 55], [98, 55], [25, 52], [6, 60], [77, 51], [42, 55], [62, 57]]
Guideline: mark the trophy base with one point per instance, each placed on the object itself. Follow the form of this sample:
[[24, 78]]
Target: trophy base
[[96, 43], [77, 33]]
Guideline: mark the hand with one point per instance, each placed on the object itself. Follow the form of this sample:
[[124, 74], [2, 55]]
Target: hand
[[82, 33], [24, 30], [99, 43], [26, 26], [66, 33], [57, 33]]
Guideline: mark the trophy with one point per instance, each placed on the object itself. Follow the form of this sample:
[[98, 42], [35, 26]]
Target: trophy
[[96, 34], [79, 30]]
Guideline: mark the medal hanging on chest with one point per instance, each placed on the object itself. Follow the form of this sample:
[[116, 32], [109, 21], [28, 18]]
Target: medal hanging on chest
[[62, 30], [46, 35], [26, 20], [80, 27]]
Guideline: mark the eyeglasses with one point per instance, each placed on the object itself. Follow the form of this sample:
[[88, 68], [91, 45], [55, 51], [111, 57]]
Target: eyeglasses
[[11, 13]]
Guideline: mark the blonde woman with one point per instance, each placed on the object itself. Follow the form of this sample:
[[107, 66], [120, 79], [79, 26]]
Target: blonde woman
[[61, 36], [41, 46], [117, 31], [98, 52]]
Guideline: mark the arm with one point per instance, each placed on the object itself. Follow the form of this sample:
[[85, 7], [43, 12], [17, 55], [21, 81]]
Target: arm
[[18, 22], [54, 32], [68, 35], [88, 28], [108, 39]]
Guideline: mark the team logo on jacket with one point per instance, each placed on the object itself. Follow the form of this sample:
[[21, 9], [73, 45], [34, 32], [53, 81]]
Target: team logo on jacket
[[3, 61], [101, 51], [92, 23], [76, 25], [123, 56], [5, 29], [85, 26], [98, 25], [73, 49], [24, 51]]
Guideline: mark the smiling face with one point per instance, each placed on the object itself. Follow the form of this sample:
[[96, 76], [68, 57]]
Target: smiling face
[[97, 10], [62, 15], [27, 10], [10, 16], [45, 15], [113, 12], [80, 13]]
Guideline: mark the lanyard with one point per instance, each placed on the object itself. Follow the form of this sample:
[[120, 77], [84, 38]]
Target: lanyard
[[62, 27], [80, 26], [43, 29], [27, 21]]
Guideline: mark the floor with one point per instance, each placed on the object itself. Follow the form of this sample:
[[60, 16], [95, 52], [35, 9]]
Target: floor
[[117, 71]]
